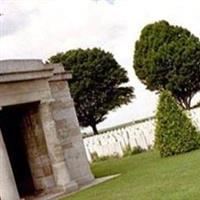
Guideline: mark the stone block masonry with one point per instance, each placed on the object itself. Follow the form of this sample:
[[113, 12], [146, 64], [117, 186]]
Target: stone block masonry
[[41, 149]]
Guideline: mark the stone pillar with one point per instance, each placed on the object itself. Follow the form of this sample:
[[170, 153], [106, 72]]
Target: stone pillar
[[67, 125], [60, 170], [74, 150], [37, 152], [8, 188]]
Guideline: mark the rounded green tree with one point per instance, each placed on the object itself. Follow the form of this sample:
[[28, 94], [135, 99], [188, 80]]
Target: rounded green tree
[[168, 57], [175, 132], [96, 86]]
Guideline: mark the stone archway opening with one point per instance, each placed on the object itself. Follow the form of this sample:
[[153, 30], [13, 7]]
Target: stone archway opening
[[12, 127]]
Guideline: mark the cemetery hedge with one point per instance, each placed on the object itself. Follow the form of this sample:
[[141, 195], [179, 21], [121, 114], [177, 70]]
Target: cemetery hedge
[[175, 132]]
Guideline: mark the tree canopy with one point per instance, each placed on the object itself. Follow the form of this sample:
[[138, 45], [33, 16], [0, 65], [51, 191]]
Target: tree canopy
[[96, 84], [168, 57]]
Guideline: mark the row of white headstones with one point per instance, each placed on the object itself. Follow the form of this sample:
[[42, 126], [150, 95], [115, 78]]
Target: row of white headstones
[[114, 141]]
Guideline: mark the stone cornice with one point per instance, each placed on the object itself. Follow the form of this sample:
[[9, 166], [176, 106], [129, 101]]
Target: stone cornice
[[24, 76], [23, 70]]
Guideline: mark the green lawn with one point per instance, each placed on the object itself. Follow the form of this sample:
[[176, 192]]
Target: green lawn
[[146, 176]]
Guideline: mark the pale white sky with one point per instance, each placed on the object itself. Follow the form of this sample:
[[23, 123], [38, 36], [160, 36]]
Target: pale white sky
[[41, 28]]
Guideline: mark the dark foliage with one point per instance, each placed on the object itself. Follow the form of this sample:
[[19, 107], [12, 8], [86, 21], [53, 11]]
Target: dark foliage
[[168, 57], [96, 83]]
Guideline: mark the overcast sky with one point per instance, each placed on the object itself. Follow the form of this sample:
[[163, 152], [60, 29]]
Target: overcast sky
[[41, 28]]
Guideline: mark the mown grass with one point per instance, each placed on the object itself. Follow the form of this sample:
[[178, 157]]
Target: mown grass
[[146, 176]]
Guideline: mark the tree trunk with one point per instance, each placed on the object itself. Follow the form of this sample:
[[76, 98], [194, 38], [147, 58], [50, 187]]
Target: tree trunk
[[187, 103], [94, 128]]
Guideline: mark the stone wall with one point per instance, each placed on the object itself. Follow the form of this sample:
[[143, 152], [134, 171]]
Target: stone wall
[[69, 132], [37, 151], [114, 140]]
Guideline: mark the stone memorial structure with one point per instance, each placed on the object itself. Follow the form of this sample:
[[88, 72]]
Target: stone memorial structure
[[41, 149]]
